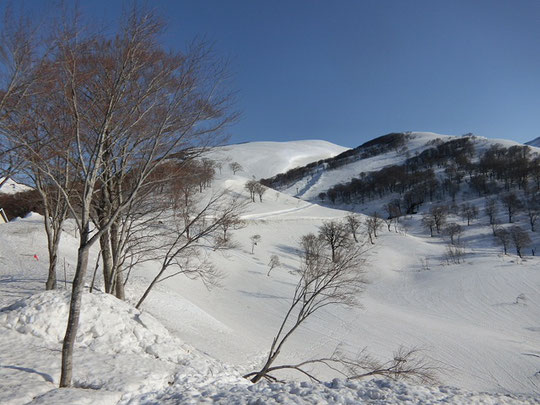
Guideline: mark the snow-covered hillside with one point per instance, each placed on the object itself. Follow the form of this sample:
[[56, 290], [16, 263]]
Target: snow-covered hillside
[[310, 186], [534, 142], [467, 317], [12, 187], [265, 159]]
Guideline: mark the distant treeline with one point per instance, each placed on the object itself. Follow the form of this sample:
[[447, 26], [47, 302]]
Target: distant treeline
[[499, 168]]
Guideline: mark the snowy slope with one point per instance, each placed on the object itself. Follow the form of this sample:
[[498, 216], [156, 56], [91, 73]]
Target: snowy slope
[[309, 187], [466, 317], [265, 159], [12, 187], [534, 142]]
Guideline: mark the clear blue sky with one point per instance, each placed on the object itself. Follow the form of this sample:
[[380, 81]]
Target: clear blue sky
[[348, 71]]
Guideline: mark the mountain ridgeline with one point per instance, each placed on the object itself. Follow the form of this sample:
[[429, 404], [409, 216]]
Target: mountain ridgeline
[[437, 171], [374, 147]]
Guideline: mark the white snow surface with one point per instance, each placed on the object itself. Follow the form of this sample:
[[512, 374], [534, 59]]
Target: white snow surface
[[12, 187], [266, 159], [189, 345]]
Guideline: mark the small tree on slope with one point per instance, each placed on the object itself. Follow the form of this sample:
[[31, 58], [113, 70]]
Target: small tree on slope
[[324, 282], [325, 278]]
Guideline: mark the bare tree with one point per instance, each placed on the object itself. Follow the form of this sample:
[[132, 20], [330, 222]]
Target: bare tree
[[502, 236], [235, 167], [490, 207], [260, 190], [323, 281], [373, 224], [255, 239], [520, 238], [428, 222], [233, 222], [273, 263], [453, 231], [354, 222], [251, 186], [468, 212], [533, 211], [512, 204], [128, 105], [19, 61], [335, 235], [439, 214], [188, 254]]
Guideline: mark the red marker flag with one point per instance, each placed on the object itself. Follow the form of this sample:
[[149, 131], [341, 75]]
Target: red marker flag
[[35, 257]]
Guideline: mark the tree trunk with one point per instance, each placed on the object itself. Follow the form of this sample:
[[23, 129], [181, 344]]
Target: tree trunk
[[119, 285], [74, 311], [51, 279], [107, 259]]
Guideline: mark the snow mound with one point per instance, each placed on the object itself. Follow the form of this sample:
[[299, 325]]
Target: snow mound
[[335, 392], [107, 325]]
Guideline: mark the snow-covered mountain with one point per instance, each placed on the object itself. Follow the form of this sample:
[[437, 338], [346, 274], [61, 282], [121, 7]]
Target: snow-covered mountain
[[478, 320], [534, 142], [12, 187], [370, 157]]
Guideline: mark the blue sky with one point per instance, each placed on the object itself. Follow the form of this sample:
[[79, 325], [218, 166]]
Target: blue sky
[[348, 71]]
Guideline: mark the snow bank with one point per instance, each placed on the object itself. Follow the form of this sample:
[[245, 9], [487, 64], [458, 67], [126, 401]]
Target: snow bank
[[336, 392], [107, 325]]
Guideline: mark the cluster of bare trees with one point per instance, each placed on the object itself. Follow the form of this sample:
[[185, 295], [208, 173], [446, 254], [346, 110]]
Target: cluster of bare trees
[[255, 188], [94, 121], [435, 220]]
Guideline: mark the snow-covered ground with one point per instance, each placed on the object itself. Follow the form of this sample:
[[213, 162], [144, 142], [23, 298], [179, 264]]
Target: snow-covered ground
[[466, 317]]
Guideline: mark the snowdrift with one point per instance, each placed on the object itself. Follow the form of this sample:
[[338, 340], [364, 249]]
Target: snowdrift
[[107, 325]]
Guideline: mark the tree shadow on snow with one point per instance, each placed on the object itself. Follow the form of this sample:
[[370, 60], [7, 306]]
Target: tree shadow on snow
[[45, 376]]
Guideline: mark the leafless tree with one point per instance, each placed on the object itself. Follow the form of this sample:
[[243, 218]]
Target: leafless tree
[[233, 222], [512, 204], [468, 212], [439, 214], [323, 281], [335, 235], [19, 61], [490, 207], [235, 167], [187, 255], [428, 222], [251, 186], [453, 231], [520, 238], [354, 222], [405, 364], [273, 263], [255, 239], [373, 224], [128, 105], [533, 210], [260, 190], [502, 236]]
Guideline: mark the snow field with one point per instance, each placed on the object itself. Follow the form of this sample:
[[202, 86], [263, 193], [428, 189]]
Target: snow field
[[189, 345]]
